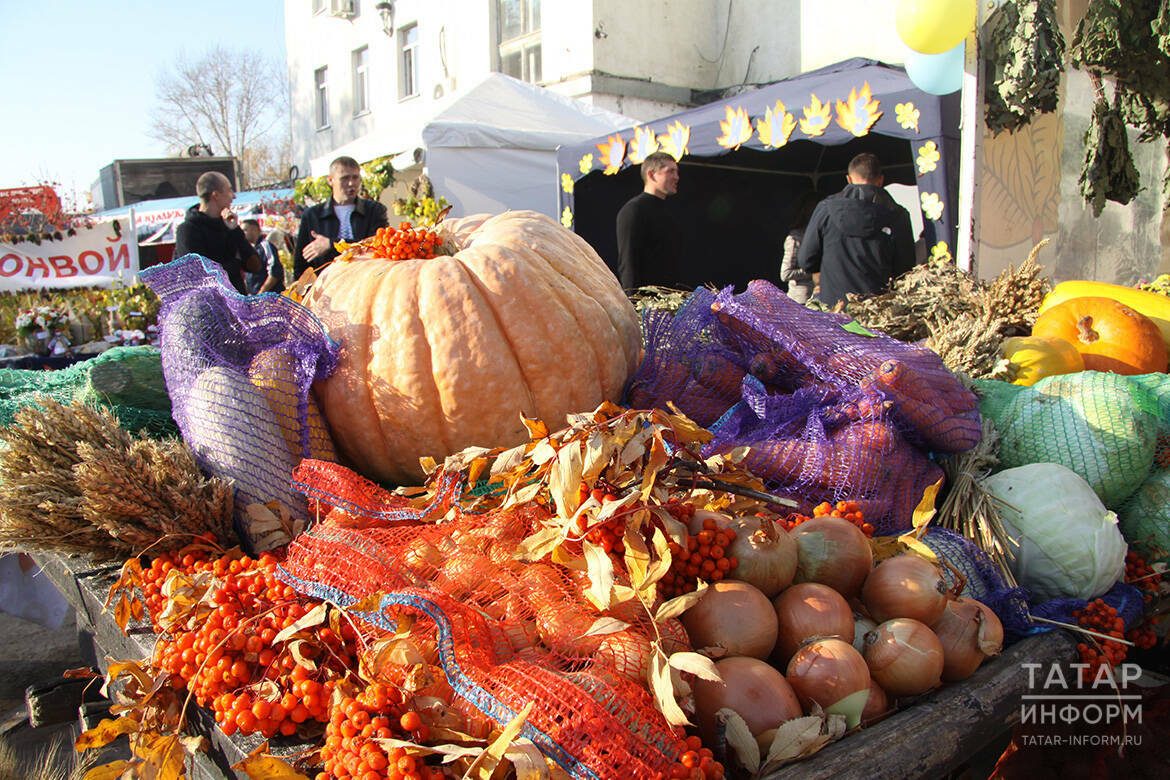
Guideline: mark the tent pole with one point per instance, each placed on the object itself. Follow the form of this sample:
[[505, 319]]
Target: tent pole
[[971, 150]]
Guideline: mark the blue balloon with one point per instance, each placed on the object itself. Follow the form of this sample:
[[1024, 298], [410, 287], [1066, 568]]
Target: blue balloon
[[938, 74]]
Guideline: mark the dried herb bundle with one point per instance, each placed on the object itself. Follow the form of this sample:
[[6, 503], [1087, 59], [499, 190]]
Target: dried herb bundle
[[962, 318], [969, 509], [73, 481]]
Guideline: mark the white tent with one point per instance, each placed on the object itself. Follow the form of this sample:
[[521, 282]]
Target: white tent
[[494, 147]]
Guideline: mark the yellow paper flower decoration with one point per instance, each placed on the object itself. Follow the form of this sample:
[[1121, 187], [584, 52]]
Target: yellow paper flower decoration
[[932, 205], [907, 116], [585, 164], [643, 145], [566, 182], [816, 117], [674, 141], [941, 251], [737, 128], [613, 151], [567, 218], [928, 157], [776, 126], [859, 113]]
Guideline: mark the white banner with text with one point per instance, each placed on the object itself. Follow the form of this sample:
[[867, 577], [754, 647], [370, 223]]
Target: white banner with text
[[96, 256]]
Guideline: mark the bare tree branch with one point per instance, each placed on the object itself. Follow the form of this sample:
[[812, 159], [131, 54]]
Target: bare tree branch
[[229, 100]]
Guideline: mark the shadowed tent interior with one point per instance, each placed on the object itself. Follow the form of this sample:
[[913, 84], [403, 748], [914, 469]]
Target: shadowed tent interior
[[734, 207]]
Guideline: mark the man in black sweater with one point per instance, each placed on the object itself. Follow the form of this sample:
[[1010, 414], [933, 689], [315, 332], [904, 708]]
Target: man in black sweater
[[344, 217], [860, 238], [647, 234], [210, 229]]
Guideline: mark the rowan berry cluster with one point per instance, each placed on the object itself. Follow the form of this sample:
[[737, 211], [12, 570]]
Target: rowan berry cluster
[[846, 510], [404, 242], [352, 749], [705, 557], [1142, 576], [696, 762], [232, 660], [1100, 617]]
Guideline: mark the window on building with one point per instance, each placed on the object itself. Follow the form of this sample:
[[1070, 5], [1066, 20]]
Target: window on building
[[321, 84], [408, 61], [518, 33], [361, 80]]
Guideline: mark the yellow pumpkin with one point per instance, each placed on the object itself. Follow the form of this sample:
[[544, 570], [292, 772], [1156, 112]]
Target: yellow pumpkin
[[1035, 357], [438, 355]]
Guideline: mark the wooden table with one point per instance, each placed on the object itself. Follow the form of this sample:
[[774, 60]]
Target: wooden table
[[928, 740]]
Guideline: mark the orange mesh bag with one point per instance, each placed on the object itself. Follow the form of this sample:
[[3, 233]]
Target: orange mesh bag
[[508, 632]]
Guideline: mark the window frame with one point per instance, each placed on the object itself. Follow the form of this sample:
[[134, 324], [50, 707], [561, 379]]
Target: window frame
[[321, 97], [526, 44], [360, 65], [408, 62]]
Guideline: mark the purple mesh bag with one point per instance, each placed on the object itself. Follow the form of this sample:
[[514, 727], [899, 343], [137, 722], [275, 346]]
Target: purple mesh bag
[[829, 414], [239, 371]]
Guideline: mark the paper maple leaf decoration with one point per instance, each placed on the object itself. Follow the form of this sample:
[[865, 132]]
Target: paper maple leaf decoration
[[860, 112], [737, 128], [776, 126], [816, 117], [642, 146], [674, 141], [613, 151]]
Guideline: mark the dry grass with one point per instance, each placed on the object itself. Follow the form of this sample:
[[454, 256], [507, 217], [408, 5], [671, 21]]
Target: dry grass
[[73, 481]]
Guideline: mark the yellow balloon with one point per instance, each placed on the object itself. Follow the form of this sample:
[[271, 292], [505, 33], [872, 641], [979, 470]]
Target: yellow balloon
[[934, 26]]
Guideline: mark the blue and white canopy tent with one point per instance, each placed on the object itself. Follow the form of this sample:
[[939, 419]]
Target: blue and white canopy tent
[[745, 160]]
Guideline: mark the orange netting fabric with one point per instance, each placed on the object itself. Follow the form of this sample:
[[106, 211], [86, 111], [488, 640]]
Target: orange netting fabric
[[507, 632]]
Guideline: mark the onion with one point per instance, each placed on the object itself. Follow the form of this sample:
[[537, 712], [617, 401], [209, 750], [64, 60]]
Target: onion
[[755, 690], [735, 616], [905, 586], [766, 553], [904, 657], [861, 626], [969, 633], [809, 611], [627, 652], [833, 552], [877, 704], [826, 672]]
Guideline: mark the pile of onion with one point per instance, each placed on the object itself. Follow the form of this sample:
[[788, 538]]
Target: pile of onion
[[735, 616], [752, 688], [905, 586], [832, 674], [833, 552], [904, 657], [969, 633], [807, 611]]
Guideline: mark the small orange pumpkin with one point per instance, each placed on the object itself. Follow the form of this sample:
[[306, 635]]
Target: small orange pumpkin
[[1109, 335]]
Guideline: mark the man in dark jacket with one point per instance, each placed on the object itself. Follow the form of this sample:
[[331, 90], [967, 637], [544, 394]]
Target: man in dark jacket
[[647, 234], [210, 229], [860, 238], [344, 217]]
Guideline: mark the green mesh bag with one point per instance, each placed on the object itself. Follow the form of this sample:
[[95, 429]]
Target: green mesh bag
[[1102, 426], [127, 380], [1145, 518]]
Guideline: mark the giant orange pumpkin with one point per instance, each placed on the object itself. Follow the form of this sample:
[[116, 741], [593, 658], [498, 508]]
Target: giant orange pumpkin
[[446, 353], [1109, 335]]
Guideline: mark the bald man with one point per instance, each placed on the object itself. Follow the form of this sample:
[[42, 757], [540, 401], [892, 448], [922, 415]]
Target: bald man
[[211, 229]]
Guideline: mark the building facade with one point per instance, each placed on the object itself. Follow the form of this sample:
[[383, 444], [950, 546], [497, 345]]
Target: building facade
[[377, 70]]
